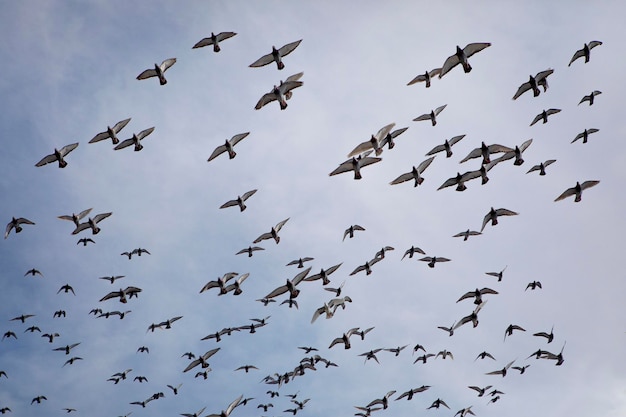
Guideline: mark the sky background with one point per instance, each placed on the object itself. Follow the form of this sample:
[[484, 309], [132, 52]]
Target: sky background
[[70, 71]]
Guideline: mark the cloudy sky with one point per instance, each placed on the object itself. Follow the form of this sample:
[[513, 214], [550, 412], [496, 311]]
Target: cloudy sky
[[70, 71]]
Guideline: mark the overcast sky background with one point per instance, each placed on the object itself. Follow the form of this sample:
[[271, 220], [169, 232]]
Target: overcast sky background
[[70, 71]]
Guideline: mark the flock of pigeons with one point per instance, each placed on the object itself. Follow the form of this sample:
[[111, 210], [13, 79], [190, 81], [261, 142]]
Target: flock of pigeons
[[232, 283]]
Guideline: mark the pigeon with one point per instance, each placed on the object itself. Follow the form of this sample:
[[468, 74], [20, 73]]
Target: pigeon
[[485, 151], [15, 224], [279, 93], [135, 140], [91, 223], [249, 250], [447, 145], [350, 231], [576, 191], [425, 77], [432, 116], [584, 52], [214, 40], [466, 234], [58, 155], [228, 146], [533, 285], [533, 84], [111, 132], [461, 56], [239, 201], [584, 135], [541, 167], [415, 173], [543, 116], [494, 214], [515, 153], [158, 71], [590, 97], [432, 260], [75, 217], [272, 234], [276, 55], [374, 142], [355, 164]]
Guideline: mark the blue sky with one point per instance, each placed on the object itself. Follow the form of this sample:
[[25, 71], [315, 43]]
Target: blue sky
[[70, 71]]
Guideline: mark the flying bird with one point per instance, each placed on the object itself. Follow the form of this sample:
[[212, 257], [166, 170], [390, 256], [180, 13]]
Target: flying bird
[[158, 71], [584, 135], [374, 143], [350, 231], [389, 139], [58, 155], [534, 83], [497, 274], [300, 262], [412, 251], [414, 174], [432, 116], [584, 52], [75, 218], [541, 167], [228, 146], [111, 132], [425, 77], [533, 285], [484, 151], [461, 56], [355, 164], [548, 336], [276, 55], [432, 260], [273, 233], [515, 153], [135, 140], [323, 275], [84, 241], [290, 286], [249, 250], [446, 146], [16, 223], [501, 371], [91, 224], [543, 116], [477, 295], [214, 40], [494, 214], [509, 330], [577, 190], [280, 93], [239, 201], [466, 234], [590, 97]]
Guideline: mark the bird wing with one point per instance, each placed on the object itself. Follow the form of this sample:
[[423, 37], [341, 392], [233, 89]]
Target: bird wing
[[99, 217], [425, 116], [436, 149], [266, 98], [280, 225], [278, 291], [248, 194], [343, 167], [294, 77], [218, 151], [419, 78], [237, 138], [588, 184], [475, 153], [402, 178], [536, 119], [450, 62], [425, 164], [68, 148], [264, 60], [151, 72], [224, 35], [287, 49], [167, 63], [80, 228], [360, 148], [46, 160], [145, 133], [439, 109], [229, 203], [505, 212], [124, 144], [522, 89], [473, 48]]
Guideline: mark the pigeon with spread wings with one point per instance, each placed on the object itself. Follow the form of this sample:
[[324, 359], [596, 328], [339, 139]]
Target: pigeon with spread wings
[[228, 146], [111, 132], [58, 155], [158, 71], [135, 140], [461, 56], [276, 55], [214, 40]]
